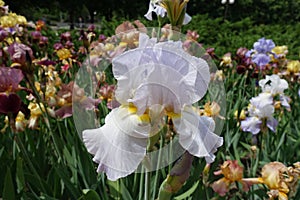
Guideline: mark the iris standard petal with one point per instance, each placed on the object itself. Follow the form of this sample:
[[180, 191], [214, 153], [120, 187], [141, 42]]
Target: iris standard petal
[[185, 76], [120, 145], [171, 91], [196, 134]]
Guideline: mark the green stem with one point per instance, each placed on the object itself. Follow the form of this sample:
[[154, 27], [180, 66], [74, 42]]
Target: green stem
[[147, 185], [141, 185], [158, 164]]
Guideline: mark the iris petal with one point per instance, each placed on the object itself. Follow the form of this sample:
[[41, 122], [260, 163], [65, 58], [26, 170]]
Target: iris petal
[[120, 145], [196, 134], [166, 64]]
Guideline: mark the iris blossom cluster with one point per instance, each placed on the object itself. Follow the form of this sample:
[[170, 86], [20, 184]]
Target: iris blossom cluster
[[155, 81], [262, 107], [262, 52], [281, 181]]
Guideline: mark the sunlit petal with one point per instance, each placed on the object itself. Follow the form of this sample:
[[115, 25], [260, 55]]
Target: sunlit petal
[[120, 145], [251, 124], [139, 73], [196, 134]]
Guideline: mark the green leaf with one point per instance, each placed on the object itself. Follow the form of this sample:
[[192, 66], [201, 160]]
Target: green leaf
[[118, 189], [20, 175], [125, 193], [282, 138], [1, 151], [89, 194], [188, 193], [8, 190], [66, 180]]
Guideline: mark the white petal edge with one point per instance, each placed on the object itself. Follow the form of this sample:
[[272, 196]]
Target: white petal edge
[[120, 145], [196, 134]]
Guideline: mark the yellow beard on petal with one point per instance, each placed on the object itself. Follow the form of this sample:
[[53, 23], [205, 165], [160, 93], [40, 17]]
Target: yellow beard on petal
[[173, 115]]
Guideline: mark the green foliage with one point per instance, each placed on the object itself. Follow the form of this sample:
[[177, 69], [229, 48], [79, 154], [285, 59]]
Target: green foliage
[[227, 36]]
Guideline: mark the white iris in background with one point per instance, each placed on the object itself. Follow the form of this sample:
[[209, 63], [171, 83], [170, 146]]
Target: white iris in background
[[155, 80], [261, 108], [275, 86], [155, 6]]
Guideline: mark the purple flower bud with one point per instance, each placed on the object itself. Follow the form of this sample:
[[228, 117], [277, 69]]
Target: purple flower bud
[[58, 46], [43, 41], [65, 36], [101, 38], [69, 44], [36, 35]]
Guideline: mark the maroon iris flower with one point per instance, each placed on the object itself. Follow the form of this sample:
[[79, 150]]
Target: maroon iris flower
[[20, 53], [10, 78]]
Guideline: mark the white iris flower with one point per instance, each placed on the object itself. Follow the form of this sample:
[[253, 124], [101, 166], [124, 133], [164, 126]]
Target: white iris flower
[[155, 80], [156, 7], [275, 85], [261, 108]]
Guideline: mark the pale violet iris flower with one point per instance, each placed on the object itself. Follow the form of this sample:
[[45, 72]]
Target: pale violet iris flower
[[275, 85], [261, 52], [154, 80], [260, 109]]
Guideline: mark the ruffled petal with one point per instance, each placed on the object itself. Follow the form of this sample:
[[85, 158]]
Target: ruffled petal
[[196, 134], [262, 100], [120, 145], [251, 124], [170, 92], [139, 72], [221, 186]]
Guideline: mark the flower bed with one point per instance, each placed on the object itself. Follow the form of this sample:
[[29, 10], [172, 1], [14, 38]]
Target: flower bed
[[80, 112]]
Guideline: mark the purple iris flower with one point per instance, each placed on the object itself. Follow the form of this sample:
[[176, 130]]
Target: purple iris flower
[[264, 46], [261, 59], [261, 51]]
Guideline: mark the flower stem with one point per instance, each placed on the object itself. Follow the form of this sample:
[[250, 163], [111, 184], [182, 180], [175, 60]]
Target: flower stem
[[147, 185]]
